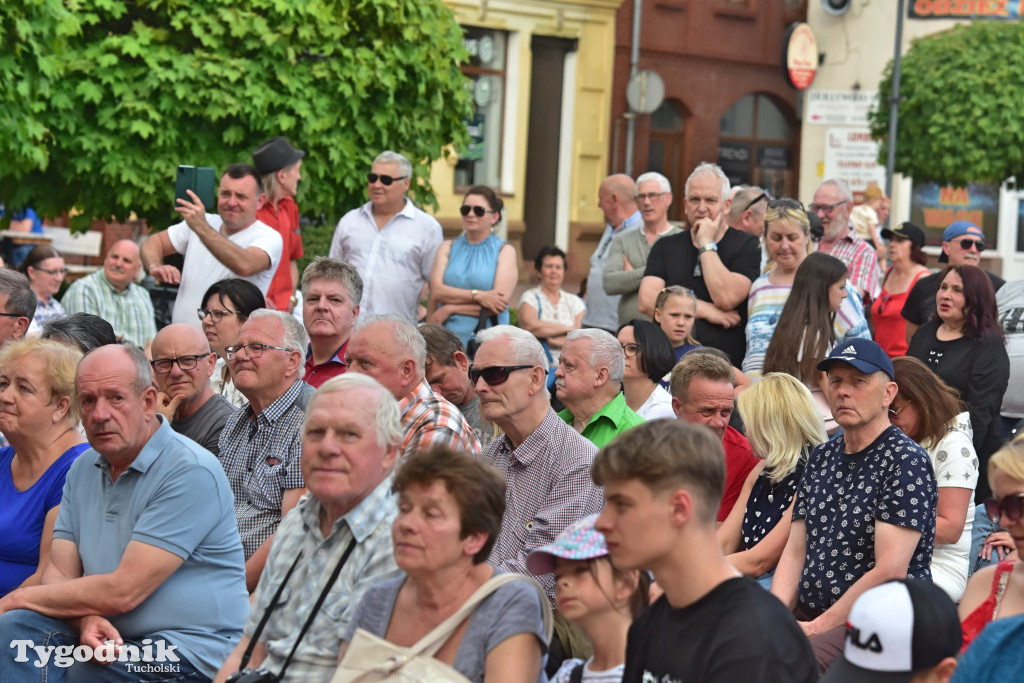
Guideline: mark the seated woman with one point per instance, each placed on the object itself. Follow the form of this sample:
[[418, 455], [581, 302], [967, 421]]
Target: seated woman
[[783, 426], [39, 416], [546, 311], [649, 357], [930, 413], [476, 272], [226, 305], [997, 592], [45, 271], [450, 507]]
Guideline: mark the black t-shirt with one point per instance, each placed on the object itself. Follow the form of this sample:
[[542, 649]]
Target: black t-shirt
[[920, 304], [737, 632], [676, 261]]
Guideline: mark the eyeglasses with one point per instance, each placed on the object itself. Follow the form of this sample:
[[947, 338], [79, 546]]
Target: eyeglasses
[[215, 315], [896, 412], [786, 203], [826, 209], [631, 349], [54, 271], [371, 178], [494, 374], [966, 244], [12, 315], [649, 195], [478, 210], [763, 195], [1012, 506], [252, 350], [164, 365]]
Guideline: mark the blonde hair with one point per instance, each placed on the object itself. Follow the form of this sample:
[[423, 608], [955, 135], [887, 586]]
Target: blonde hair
[[667, 293], [782, 422], [1010, 459], [59, 361]]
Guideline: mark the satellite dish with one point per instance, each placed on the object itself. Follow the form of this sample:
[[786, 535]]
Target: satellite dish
[[645, 92]]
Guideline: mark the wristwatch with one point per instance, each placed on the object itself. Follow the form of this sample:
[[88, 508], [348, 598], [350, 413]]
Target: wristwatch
[[710, 246]]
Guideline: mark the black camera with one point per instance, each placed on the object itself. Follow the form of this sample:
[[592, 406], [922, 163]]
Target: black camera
[[253, 676]]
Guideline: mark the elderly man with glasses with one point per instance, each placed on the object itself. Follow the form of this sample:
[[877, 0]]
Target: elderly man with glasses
[[261, 445], [182, 366], [833, 202]]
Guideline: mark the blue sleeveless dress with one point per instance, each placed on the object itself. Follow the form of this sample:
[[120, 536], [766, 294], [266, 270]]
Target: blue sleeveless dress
[[472, 266]]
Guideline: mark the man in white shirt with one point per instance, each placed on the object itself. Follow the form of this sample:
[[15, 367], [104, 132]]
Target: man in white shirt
[[230, 243], [390, 242]]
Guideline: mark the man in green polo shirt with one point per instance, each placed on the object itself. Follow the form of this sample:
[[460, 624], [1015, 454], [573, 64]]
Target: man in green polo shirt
[[589, 379]]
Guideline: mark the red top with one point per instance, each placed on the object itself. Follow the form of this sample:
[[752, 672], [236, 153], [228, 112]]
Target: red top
[[739, 460], [890, 325], [987, 611], [315, 375], [286, 221]]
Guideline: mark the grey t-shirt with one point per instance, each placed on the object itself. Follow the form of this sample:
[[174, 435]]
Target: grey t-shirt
[[471, 411], [512, 609], [205, 426]]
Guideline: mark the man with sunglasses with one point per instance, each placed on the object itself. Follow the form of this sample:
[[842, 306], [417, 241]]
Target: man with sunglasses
[[747, 210], [390, 241], [833, 203], [962, 244], [182, 367]]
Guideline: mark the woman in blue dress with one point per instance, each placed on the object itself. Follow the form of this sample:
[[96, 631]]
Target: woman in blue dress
[[475, 272]]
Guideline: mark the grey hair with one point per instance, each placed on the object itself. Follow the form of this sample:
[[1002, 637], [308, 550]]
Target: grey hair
[[405, 335], [295, 337], [663, 184], [744, 195], [526, 350], [845, 193], [387, 415], [143, 372], [84, 331], [708, 168], [20, 297], [389, 157], [326, 268], [605, 351]]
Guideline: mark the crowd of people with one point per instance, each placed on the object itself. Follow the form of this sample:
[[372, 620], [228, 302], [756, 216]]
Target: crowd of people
[[706, 469]]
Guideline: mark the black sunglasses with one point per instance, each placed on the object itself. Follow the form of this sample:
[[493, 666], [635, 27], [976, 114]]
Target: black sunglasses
[[494, 374], [785, 203], [1012, 506], [966, 244], [478, 210], [763, 195], [385, 179]]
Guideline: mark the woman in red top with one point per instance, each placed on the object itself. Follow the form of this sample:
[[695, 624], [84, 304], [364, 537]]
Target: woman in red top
[[890, 329]]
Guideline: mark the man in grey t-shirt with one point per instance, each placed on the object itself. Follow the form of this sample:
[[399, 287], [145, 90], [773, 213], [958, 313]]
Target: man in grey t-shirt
[[447, 371]]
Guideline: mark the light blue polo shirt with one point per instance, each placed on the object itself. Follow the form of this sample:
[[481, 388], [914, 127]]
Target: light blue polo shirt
[[174, 496]]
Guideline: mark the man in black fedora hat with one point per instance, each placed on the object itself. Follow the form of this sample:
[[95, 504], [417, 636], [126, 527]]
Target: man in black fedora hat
[[279, 165]]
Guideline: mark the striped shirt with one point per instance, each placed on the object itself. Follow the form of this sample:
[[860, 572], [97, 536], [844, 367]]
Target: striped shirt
[[45, 310], [130, 312], [430, 420], [862, 261]]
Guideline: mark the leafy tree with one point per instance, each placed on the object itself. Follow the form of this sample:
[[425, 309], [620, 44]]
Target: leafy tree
[[104, 99], [961, 116]]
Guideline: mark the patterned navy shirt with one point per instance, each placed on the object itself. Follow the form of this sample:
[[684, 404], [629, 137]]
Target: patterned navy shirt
[[839, 498]]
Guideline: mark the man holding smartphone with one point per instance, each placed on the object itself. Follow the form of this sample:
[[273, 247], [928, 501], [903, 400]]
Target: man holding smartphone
[[230, 243]]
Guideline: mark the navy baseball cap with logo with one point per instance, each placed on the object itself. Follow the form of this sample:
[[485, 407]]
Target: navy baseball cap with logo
[[895, 631], [863, 354]]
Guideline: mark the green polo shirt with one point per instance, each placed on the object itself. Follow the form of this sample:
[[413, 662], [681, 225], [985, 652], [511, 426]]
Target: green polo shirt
[[613, 419]]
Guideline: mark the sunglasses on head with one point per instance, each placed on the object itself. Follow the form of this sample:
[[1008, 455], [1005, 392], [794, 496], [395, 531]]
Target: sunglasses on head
[[479, 211], [494, 374], [1012, 506], [967, 243], [385, 179], [755, 200]]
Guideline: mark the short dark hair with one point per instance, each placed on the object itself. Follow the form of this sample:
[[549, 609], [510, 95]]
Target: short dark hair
[[84, 331], [477, 487], [239, 171], [550, 250], [246, 296], [442, 344], [489, 195], [657, 357], [665, 454]]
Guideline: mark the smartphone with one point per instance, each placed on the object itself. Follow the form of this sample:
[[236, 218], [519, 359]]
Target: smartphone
[[201, 180]]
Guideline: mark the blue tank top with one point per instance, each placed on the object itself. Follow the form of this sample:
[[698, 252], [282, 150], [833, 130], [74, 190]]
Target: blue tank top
[[472, 266]]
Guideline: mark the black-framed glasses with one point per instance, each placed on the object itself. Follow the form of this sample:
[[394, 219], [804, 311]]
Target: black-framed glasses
[[827, 209], [895, 412], [495, 374], [786, 203], [12, 315], [371, 178], [164, 365], [216, 315], [479, 211], [252, 350], [649, 195], [763, 195], [631, 349], [1012, 506], [967, 243], [52, 271]]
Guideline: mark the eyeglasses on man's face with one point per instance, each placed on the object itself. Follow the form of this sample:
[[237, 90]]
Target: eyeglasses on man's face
[[252, 350], [826, 209], [493, 375], [371, 178], [649, 196], [190, 362]]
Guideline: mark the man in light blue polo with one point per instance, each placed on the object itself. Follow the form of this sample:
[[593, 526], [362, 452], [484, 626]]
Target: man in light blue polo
[[145, 550]]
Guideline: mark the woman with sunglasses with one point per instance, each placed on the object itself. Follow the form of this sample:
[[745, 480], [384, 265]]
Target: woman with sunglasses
[[908, 266], [930, 413], [787, 240], [649, 357], [997, 592], [476, 272], [226, 305], [45, 271], [963, 344]]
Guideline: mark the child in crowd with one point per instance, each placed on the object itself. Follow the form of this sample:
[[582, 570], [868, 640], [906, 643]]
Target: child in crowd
[[675, 309], [596, 596]]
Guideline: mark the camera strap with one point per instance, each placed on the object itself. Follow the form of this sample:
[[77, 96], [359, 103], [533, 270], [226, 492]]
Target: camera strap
[[266, 615], [317, 604]]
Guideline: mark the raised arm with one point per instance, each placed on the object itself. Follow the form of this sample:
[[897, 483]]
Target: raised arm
[[242, 261]]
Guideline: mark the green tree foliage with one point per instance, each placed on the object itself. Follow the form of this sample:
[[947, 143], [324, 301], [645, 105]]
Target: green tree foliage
[[961, 116], [103, 99]]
